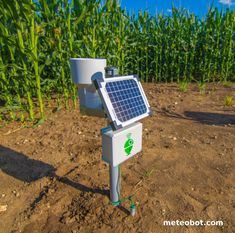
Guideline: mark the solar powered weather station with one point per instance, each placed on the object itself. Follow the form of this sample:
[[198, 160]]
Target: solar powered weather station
[[122, 100]]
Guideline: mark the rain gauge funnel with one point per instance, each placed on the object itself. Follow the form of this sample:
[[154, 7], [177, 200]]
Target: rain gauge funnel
[[122, 100], [83, 69]]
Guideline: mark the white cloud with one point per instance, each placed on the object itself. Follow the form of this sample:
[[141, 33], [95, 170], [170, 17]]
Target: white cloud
[[227, 2], [169, 10]]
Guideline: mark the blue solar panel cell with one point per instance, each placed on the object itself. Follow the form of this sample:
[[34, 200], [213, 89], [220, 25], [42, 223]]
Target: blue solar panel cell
[[126, 99]]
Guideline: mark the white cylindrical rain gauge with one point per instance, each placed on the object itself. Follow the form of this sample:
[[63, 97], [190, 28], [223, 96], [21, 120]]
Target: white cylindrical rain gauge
[[83, 70]]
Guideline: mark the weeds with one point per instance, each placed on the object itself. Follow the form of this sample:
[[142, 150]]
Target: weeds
[[228, 101], [183, 86]]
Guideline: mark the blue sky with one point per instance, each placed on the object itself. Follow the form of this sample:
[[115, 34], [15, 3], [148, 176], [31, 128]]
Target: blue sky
[[199, 7]]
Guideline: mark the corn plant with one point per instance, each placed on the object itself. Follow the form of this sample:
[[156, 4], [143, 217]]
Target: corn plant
[[37, 38]]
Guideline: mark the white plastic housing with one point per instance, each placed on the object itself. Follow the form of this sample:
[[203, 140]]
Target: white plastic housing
[[83, 69], [114, 143]]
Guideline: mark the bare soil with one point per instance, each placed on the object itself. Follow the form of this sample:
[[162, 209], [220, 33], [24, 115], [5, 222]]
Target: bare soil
[[52, 178]]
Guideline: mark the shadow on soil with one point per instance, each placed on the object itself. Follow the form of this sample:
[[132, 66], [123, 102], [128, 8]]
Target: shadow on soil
[[204, 117], [211, 118], [21, 167]]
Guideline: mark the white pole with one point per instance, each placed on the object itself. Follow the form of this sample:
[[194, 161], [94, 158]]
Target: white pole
[[114, 184]]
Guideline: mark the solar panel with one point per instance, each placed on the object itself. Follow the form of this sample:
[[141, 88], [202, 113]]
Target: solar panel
[[124, 100]]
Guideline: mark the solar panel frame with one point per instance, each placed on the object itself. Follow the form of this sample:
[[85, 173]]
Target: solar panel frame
[[118, 122]]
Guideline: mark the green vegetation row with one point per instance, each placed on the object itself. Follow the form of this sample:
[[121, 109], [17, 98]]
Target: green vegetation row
[[37, 39]]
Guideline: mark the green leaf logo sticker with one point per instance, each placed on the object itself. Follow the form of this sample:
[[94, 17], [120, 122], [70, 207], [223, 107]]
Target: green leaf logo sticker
[[128, 144]]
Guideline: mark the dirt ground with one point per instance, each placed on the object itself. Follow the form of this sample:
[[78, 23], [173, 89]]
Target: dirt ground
[[52, 178]]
